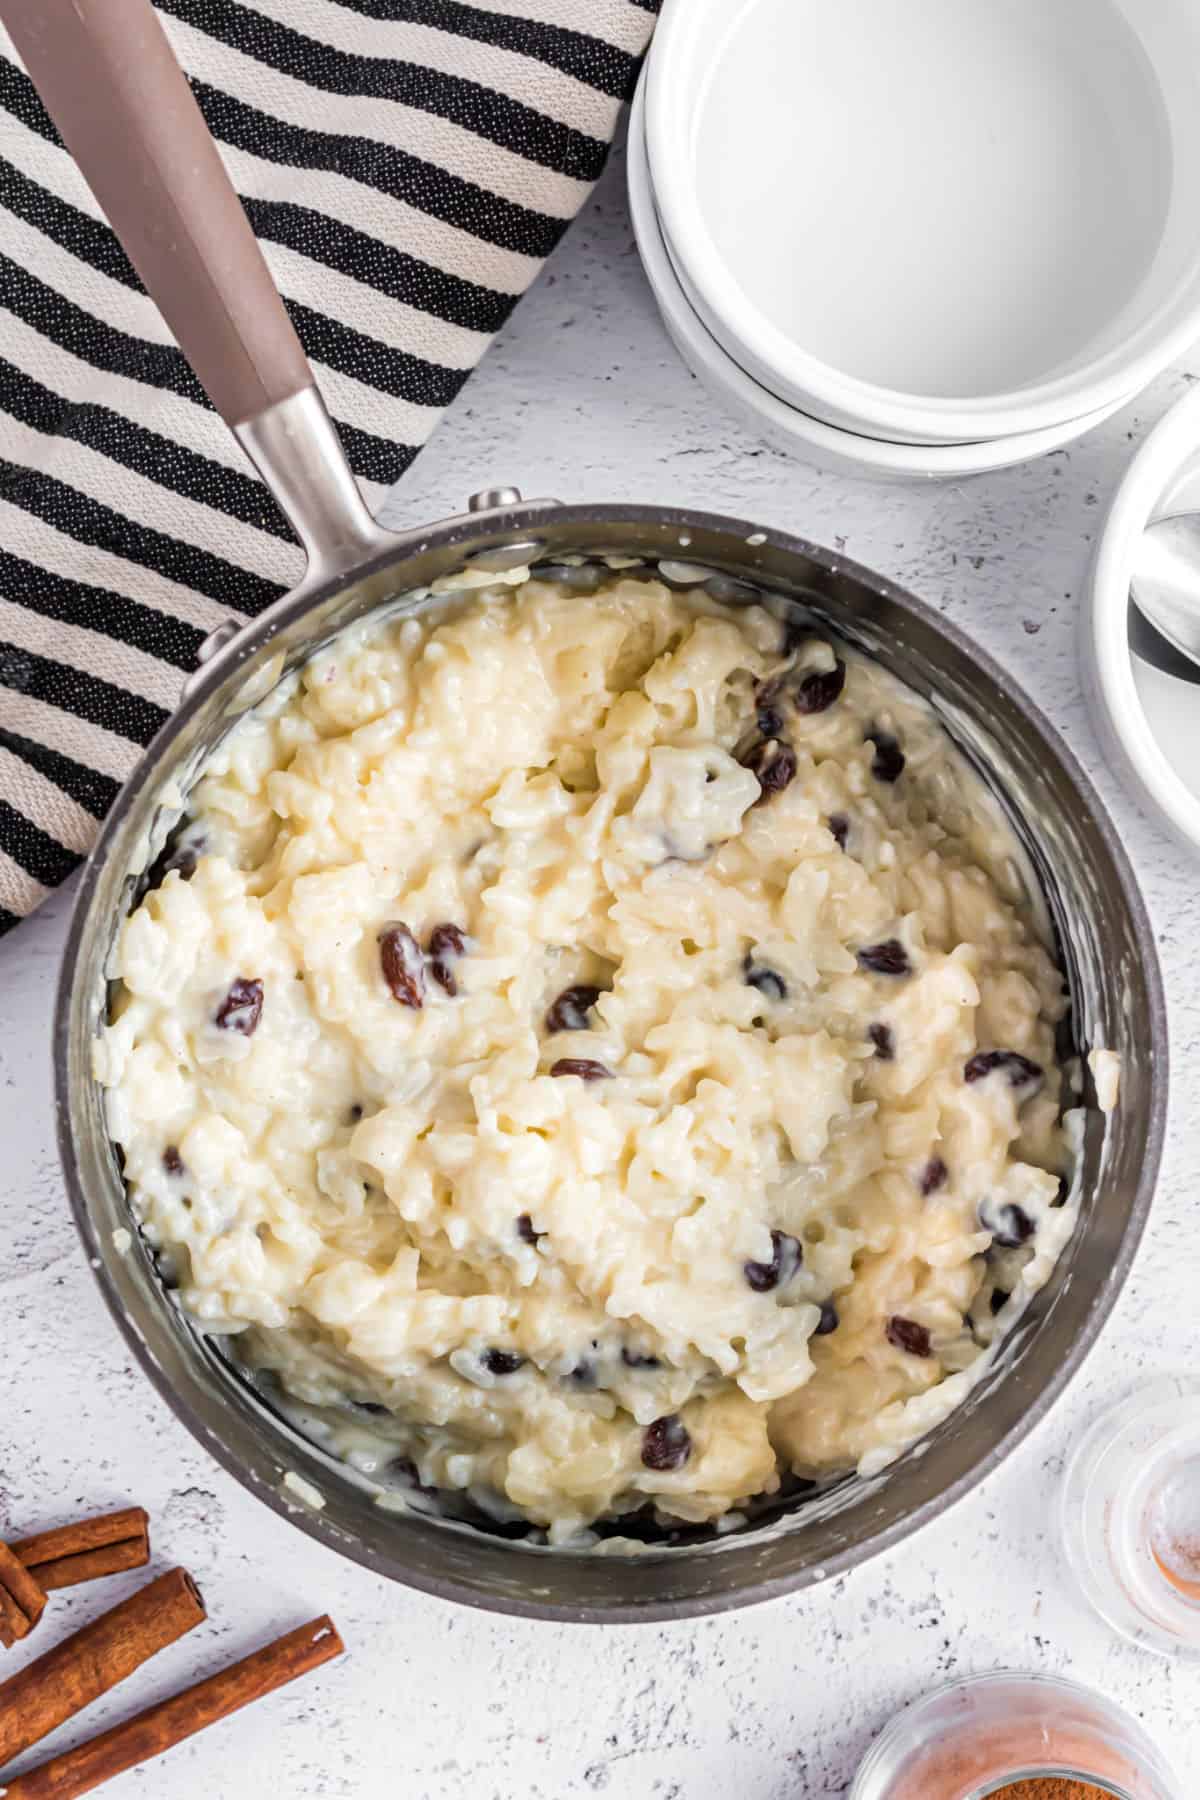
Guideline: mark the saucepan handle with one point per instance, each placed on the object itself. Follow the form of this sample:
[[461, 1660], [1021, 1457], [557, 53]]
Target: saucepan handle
[[109, 79]]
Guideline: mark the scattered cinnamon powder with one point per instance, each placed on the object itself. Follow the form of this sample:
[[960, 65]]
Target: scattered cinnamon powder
[[1183, 1553], [1050, 1787]]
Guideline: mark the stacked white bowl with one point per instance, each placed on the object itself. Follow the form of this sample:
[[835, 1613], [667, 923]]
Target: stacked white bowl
[[922, 237]]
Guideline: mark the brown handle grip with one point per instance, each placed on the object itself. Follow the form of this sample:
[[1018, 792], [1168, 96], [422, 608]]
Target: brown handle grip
[[109, 79]]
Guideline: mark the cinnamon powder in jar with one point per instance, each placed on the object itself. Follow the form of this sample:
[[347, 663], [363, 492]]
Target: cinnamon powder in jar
[[1011, 1722], [1049, 1787]]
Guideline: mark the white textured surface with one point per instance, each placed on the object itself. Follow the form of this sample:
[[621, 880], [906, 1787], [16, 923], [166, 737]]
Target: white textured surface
[[584, 398]]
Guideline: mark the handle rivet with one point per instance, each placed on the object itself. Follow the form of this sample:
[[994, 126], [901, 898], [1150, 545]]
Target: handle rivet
[[217, 640], [491, 499]]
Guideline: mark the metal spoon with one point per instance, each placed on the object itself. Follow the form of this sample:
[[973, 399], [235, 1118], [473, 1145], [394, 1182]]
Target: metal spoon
[[1165, 591]]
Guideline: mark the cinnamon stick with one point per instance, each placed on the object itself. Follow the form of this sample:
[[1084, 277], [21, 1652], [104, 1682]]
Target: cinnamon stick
[[85, 1665], [160, 1727], [22, 1598], [69, 1554]]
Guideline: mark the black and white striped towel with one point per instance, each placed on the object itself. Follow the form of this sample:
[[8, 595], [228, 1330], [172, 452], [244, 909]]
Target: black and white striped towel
[[407, 165]]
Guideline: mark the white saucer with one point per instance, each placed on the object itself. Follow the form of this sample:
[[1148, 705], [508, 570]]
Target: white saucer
[[1145, 707]]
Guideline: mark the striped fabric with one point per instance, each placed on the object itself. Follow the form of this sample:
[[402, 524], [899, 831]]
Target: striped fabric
[[407, 165]]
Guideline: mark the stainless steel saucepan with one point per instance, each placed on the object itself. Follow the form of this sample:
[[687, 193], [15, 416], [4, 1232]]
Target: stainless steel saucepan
[[116, 94]]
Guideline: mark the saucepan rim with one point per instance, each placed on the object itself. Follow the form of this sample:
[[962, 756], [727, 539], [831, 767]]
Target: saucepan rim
[[512, 525]]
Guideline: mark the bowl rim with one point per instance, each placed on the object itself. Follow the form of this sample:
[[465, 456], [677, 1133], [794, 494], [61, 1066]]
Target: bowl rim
[[878, 456], [1104, 621], [746, 333], [519, 524]]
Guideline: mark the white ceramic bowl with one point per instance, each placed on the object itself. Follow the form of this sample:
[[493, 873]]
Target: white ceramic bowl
[[774, 419], [1146, 709], [974, 457], [1051, 434], [945, 221]]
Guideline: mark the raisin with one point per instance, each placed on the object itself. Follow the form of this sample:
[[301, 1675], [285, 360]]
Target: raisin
[[775, 765], [666, 1444], [769, 720], [1021, 1071], [933, 1176], [172, 1161], [786, 1256], [176, 854], [525, 1230], [241, 1008], [1010, 1225], [888, 958], [581, 1066], [817, 692], [828, 1320], [405, 1469], [185, 859], [638, 1359], [445, 941], [403, 965], [839, 827], [768, 983], [570, 1011], [888, 761], [907, 1335], [884, 1040], [501, 1362]]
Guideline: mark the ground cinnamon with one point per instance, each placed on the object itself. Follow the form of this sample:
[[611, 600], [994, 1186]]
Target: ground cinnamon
[[69, 1554], [1189, 1553], [1050, 1787], [84, 1666], [78, 1771], [22, 1598]]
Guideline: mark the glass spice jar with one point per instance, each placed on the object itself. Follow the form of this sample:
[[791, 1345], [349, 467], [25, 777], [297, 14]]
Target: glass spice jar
[[1129, 1516], [974, 1738]]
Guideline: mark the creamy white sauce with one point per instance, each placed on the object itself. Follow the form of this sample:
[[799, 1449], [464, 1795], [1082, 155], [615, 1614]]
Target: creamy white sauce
[[1106, 1073], [304, 1491]]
